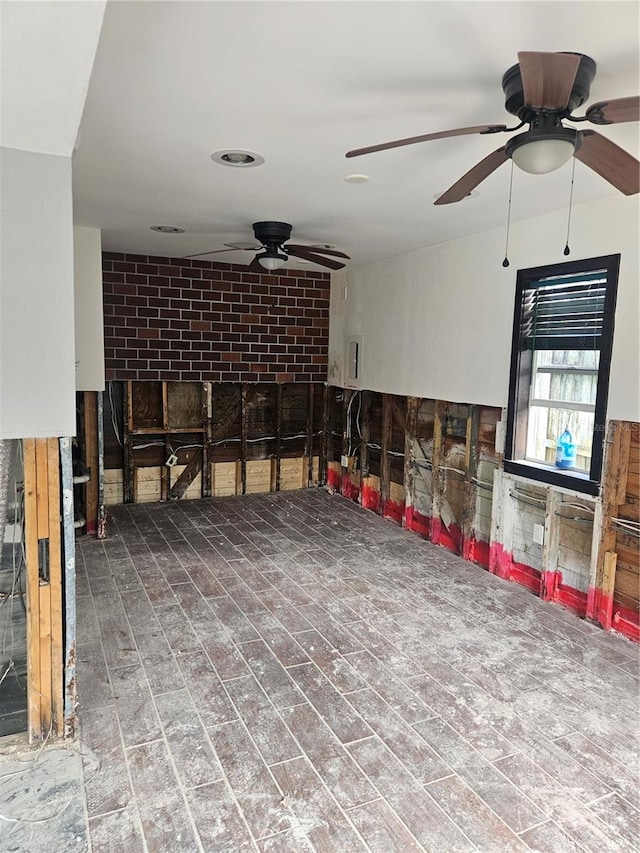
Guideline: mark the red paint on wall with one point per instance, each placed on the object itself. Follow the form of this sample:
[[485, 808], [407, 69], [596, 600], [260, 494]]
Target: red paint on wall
[[606, 612], [593, 603], [333, 479], [370, 498], [417, 522], [570, 597], [499, 560], [394, 511], [548, 585], [450, 538], [627, 622], [526, 576], [350, 489], [476, 551], [501, 563]]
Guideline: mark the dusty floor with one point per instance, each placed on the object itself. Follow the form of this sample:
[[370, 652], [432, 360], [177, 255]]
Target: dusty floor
[[292, 673]]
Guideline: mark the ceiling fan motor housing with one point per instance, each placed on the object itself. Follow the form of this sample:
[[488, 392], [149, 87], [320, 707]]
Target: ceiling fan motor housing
[[272, 233], [514, 94]]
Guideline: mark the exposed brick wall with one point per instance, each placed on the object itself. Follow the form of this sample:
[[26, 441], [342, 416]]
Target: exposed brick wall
[[168, 318]]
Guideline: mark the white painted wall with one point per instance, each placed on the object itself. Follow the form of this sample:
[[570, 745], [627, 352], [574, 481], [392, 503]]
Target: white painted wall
[[437, 322], [87, 269], [37, 374]]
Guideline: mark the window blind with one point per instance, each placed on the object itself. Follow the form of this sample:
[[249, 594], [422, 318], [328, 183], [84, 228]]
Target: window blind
[[564, 313]]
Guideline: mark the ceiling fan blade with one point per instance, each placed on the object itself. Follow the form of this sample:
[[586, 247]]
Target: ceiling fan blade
[[301, 252], [443, 134], [321, 250], [250, 247], [211, 252], [611, 162], [256, 266], [615, 112], [548, 78], [473, 177]]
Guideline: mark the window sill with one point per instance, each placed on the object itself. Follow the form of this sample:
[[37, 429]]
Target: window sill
[[578, 481]]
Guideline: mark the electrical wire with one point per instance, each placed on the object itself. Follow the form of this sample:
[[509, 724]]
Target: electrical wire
[[114, 414]]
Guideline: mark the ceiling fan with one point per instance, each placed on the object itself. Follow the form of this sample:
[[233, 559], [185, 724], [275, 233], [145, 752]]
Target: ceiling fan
[[272, 238], [543, 90]]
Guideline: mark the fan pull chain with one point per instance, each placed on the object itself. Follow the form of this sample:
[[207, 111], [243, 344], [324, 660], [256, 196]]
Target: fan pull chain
[[505, 263], [567, 250]]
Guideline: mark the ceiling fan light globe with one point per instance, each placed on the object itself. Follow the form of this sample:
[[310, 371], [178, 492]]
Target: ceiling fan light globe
[[272, 262], [542, 156]]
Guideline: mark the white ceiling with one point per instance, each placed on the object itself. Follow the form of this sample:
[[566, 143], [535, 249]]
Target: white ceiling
[[301, 83]]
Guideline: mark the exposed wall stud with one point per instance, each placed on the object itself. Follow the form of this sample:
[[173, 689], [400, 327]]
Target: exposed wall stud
[[244, 416], [206, 439], [470, 487], [437, 475], [385, 460]]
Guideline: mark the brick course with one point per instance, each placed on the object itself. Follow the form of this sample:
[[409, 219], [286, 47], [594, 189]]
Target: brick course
[[176, 319]]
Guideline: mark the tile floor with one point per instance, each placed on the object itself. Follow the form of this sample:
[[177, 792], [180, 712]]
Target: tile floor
[[290, 672]]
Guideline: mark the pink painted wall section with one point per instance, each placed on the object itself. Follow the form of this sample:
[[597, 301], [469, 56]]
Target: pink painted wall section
[[417, 522], [333, 479], [501, 563], [349, 489], [606, 612], [448, 537], [548, 585], [476, 551], [370, 497], [393, 511]]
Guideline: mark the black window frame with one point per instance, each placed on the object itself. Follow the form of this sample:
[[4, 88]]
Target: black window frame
[[520, 377]]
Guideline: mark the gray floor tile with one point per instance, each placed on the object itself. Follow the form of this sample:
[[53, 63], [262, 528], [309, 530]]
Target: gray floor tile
[[287, 673]]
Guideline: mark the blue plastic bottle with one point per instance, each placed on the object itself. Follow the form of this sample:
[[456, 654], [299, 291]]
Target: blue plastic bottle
[[565, 451]]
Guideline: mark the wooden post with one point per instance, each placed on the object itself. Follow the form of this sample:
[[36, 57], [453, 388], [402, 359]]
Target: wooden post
[[244, 429], [90, 429], [470, 488], [614, 487], [275, 487], [310, 436], [128, 485], [324, 446], [206, 439], [34, 713], [55, 586], [608, 585], [43, 549], [365, 428], [413, 404], [164, 474], [549, 576], [385, 461], [437, 477], [44, 586]]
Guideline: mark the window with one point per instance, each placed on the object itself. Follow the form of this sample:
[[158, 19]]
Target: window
[[561, 350]]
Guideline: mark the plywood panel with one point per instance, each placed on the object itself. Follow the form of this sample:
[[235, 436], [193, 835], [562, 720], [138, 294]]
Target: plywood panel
[[224, 478], [113, 486], [258, 476], [396, 492], [148, 484], [293, 473]]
